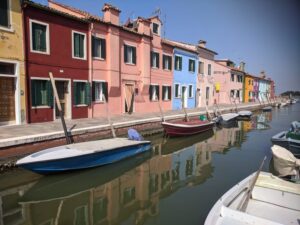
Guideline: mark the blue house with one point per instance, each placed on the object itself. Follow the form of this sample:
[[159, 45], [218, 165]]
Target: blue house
[[185, 78]]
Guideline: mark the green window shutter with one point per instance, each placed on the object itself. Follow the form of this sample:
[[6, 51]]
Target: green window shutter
[[33, 93], [75, 91], [76, 45], [94, 47], [157, 91], [134, 55], [105, 90], [49, 94], [164, 60], [163, 91], [43, 38], [150, 92], [157, 60], [93, 91], [81, 46], [4, 13], [180, 63], [151, 58], [87, 95], [170, 64], [125, 54], [103, 48], [169, 93]]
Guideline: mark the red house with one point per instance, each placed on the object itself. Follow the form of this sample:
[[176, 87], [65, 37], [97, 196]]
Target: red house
[[56, 42]]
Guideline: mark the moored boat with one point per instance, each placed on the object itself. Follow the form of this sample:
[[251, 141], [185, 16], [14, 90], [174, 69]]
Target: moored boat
[[289, 139], [244, 114], [267, 109], [183, 128], [82, 155], [266, 200], [228, 117]]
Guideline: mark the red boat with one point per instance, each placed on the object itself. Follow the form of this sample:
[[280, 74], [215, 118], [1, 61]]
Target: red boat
[[184, 128]]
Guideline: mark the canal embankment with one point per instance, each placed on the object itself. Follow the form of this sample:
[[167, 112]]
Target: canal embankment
[[17, 141]]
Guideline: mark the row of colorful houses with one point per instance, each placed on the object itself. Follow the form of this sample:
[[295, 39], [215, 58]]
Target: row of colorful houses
[[96, 60]]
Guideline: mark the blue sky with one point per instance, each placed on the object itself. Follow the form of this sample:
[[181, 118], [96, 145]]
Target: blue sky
[[263, 33]]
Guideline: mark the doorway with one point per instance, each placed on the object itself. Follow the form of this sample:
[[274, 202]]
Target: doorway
[[129, 98], [184, 96], [7, 100], [62, 87]]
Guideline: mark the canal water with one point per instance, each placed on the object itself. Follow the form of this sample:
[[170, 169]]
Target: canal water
[[177, 183]]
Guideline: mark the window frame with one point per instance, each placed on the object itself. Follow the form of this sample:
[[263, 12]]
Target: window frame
[[47, 52], [157, 33], [101, 56], [180, 63], [103, 94], [131, 46], [152, 54], [9, 28], [192, 91], [179, 90], [170, 62], [201, 67], [73, 103], [169, 89], [209, 72], [192, 62], [232, 77], [157, 94], [84, 45], [31, 103]]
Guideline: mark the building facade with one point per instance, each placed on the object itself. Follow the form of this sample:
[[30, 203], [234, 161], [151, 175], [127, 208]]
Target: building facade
[[56, 42], [248, 89], [12, 69]]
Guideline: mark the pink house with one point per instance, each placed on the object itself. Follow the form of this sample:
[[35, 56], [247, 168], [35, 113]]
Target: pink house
[[229, 82], [121, 65]]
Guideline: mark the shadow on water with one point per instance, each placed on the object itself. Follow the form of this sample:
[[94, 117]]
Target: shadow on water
[[177, 183]]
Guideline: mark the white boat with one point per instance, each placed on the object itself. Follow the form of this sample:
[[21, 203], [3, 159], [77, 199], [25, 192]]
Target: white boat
[[82, 155], [228, 117], [267, 109], [244, 114], [285, 164], [272, 201]]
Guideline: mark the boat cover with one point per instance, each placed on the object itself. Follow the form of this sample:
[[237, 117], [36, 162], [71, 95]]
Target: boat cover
[[245, 113], [285, 162], [295, 126]]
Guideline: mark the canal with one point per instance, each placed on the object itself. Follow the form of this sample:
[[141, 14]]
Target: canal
[[177, 183]]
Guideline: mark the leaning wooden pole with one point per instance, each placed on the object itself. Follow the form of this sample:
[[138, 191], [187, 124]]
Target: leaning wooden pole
[[109, 119], [61, 114], [161, 111]]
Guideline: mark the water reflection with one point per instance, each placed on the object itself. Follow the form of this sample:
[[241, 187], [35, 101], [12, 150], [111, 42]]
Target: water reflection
[[127, 191]]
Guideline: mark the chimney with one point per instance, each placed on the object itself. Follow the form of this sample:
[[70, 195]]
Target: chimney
[[201, 43], [242, 66], [263, 74], [144, 26], [111, 14]]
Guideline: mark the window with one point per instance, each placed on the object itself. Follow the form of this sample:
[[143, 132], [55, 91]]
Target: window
[[191, 91], [100, 93], [81, 93], [81, 215], [39, 37], [7, 68], [166, 90], [41, 93], [128, 195], [178, 62], [167, 62], [237, 94], [129, 54], [155, 28], [154, 59], [99, 48], [191, 65], [4, 14], [79, 45], [177, 90], [154, 92], [201, 67], [232, 77], [209, 69], [207, 93], [232, 93]]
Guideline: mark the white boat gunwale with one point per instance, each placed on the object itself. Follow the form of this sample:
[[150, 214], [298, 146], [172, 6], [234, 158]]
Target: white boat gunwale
[[186, 125]]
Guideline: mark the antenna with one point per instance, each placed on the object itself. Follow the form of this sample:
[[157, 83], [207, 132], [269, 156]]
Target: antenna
[[165, 27]]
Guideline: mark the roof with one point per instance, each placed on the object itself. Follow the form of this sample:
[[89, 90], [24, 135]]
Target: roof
[[229, 67], [55, 11], [180, 45]]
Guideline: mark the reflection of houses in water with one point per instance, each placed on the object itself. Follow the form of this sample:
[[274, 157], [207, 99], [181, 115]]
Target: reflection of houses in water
[[130, 195], [260, 121]]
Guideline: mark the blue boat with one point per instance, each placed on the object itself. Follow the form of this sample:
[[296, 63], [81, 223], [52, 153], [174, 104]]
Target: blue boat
[[83, 155]]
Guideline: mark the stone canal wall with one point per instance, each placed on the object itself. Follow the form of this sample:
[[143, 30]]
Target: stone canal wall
[[14, 148]]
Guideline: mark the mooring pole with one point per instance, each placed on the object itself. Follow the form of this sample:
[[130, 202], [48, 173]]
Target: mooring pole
[[61, 114], [109, 120]]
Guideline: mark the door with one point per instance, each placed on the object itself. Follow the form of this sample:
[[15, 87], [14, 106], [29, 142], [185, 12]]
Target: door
[[207, 95], [62, 91], [198, 98], [184, 96], [7, 99], [129, 98]]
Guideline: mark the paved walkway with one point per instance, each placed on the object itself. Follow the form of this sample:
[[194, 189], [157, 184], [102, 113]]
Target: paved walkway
[[20, 134]]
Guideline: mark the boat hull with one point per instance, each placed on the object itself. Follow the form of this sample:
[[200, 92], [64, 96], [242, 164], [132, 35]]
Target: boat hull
[[86, 161], [175, 130], [292, 145]]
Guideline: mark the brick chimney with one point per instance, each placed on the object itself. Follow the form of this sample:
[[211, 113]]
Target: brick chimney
[[144, 26], [263, 74], [202, 43], [242, 66], [111, 14]]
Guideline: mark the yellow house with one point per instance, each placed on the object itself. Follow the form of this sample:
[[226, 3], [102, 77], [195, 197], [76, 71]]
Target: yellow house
[[12, 71], [248, 88]]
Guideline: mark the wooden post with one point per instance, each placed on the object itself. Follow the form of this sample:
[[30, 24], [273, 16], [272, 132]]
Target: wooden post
[[61, 114], [161, 111], [186, 115], [208, 114], [109, 120]]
